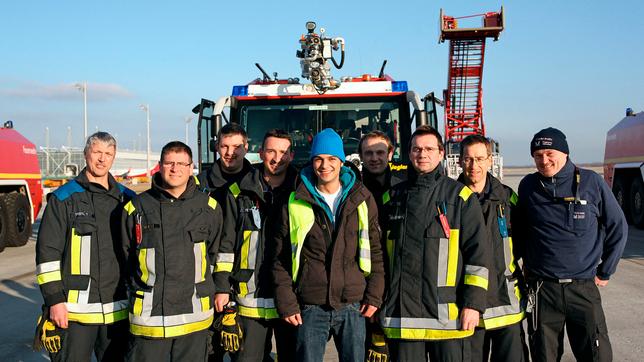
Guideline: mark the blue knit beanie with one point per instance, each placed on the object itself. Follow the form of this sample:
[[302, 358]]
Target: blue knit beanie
[[327, 142]]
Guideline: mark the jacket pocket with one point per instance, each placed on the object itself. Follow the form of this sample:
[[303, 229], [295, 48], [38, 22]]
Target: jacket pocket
[[77, 282], [205, 292], [199, 234], [354, 283], [84, 225]]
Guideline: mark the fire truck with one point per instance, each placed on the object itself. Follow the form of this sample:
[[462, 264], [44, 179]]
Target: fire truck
[[353, 106], [624, 165], [20, 187]]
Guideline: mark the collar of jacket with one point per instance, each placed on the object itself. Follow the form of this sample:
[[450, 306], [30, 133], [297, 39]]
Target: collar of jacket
[[290, 180], [114, 191], [159, 193], [347, 180], [216, 177], [426, 180], [493, 189], [564, 174]]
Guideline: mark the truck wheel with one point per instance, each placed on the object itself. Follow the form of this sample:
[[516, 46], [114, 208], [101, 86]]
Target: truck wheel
[[621, 192], [637, 202], [17, 217], [3, 229]]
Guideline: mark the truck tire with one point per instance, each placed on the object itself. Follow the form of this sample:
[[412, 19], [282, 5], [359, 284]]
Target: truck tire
[[637, 202], [17, 215], [621, 188], [3, 229]]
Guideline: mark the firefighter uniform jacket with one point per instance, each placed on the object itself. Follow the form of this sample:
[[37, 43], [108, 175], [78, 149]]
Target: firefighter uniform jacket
[[171, 244], [498, 203], [321, 261], [440, 261], [78, 258]]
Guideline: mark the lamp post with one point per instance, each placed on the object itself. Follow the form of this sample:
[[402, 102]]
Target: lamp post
[[146, 108], [83, 88], [187, 120]]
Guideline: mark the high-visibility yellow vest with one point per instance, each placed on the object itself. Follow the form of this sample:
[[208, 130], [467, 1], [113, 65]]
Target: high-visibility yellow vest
[[301, 220]]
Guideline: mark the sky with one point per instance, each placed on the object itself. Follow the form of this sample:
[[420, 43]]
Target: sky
[[575, 65]]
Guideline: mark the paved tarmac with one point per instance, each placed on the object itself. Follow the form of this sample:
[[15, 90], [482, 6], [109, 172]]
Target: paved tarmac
[[623, 301]]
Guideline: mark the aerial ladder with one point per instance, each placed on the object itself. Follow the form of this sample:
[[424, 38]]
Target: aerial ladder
[[463, 98]]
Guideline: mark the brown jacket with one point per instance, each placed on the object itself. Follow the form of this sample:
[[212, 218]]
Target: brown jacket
[[329, 272]]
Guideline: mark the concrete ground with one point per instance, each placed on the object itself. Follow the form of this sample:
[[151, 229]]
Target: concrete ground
[[623, 301]]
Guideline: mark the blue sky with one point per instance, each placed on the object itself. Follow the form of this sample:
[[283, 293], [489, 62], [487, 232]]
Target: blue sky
[[575, 65]]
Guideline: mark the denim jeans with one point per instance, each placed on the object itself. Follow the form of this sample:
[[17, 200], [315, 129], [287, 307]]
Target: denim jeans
[[346, 325]]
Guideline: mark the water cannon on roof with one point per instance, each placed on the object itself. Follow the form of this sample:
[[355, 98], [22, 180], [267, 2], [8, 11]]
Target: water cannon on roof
[[315, 53]]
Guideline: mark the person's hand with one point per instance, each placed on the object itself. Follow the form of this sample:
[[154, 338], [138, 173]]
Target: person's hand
[[367, 310], [600, 283], [58, 315], [221, 299], [469, 319], [295, 319]]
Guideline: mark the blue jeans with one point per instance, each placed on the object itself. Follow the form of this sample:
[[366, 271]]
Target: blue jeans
[[346, 325]]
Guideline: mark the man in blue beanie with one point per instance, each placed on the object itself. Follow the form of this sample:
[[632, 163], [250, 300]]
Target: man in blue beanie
[[574, 234], [329, 270]]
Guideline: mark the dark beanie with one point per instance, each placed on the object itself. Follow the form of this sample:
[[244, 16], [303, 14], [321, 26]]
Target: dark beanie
[[549, 138]]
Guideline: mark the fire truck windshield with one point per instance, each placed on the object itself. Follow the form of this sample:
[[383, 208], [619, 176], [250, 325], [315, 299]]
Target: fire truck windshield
[[351, 120]]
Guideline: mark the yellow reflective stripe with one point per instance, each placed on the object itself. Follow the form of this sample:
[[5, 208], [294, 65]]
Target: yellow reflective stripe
[[168, 332], [243, 263], [452, 258], [465, 193], [98, 318], [425, 334], [452, 311], [212, 203], [196, 180], [72, 296], [301, 220], [511, 267], [205, 303], [129, 207], [503, 321], [234, 188], [115, 316], [204, 263], [250, 312], [49, 277], [390, 251], [386, 197], [223, 266], [514, 199], [364, 246], [143, 265], [76, 253], [476, 281], [137, 309]]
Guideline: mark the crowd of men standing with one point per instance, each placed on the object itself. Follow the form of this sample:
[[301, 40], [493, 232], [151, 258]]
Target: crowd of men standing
[[401, 266]]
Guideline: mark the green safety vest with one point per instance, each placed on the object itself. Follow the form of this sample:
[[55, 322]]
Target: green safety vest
[[301, 220]]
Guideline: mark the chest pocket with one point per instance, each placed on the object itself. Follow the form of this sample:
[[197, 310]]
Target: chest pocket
[[150, 224], [582, 217]]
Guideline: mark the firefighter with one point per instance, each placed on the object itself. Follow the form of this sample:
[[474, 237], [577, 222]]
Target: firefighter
[[501, 331], [228, 178], [376, 150], [439, 262], [574, 233], [171, 233], [263, 190], [329, 270], [78, 266]]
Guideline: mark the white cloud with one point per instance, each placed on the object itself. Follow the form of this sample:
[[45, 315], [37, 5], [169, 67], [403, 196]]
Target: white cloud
[[98, 92]]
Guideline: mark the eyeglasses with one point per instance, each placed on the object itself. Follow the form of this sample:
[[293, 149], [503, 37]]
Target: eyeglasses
[[478, 160], [420, 150], [170, 164]]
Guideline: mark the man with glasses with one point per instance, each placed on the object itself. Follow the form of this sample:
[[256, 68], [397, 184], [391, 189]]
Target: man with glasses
[[500, 331], [171, 234], [439, 261]]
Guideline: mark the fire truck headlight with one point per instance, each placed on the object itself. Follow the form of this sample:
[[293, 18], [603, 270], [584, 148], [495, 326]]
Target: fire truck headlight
[[310, 26]]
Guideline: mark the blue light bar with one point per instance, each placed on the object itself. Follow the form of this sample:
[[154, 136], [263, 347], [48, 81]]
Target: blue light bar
[[399, 86], [240, 90]]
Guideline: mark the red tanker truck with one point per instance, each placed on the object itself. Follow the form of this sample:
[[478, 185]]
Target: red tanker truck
[[624, 165], [20, 187]]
